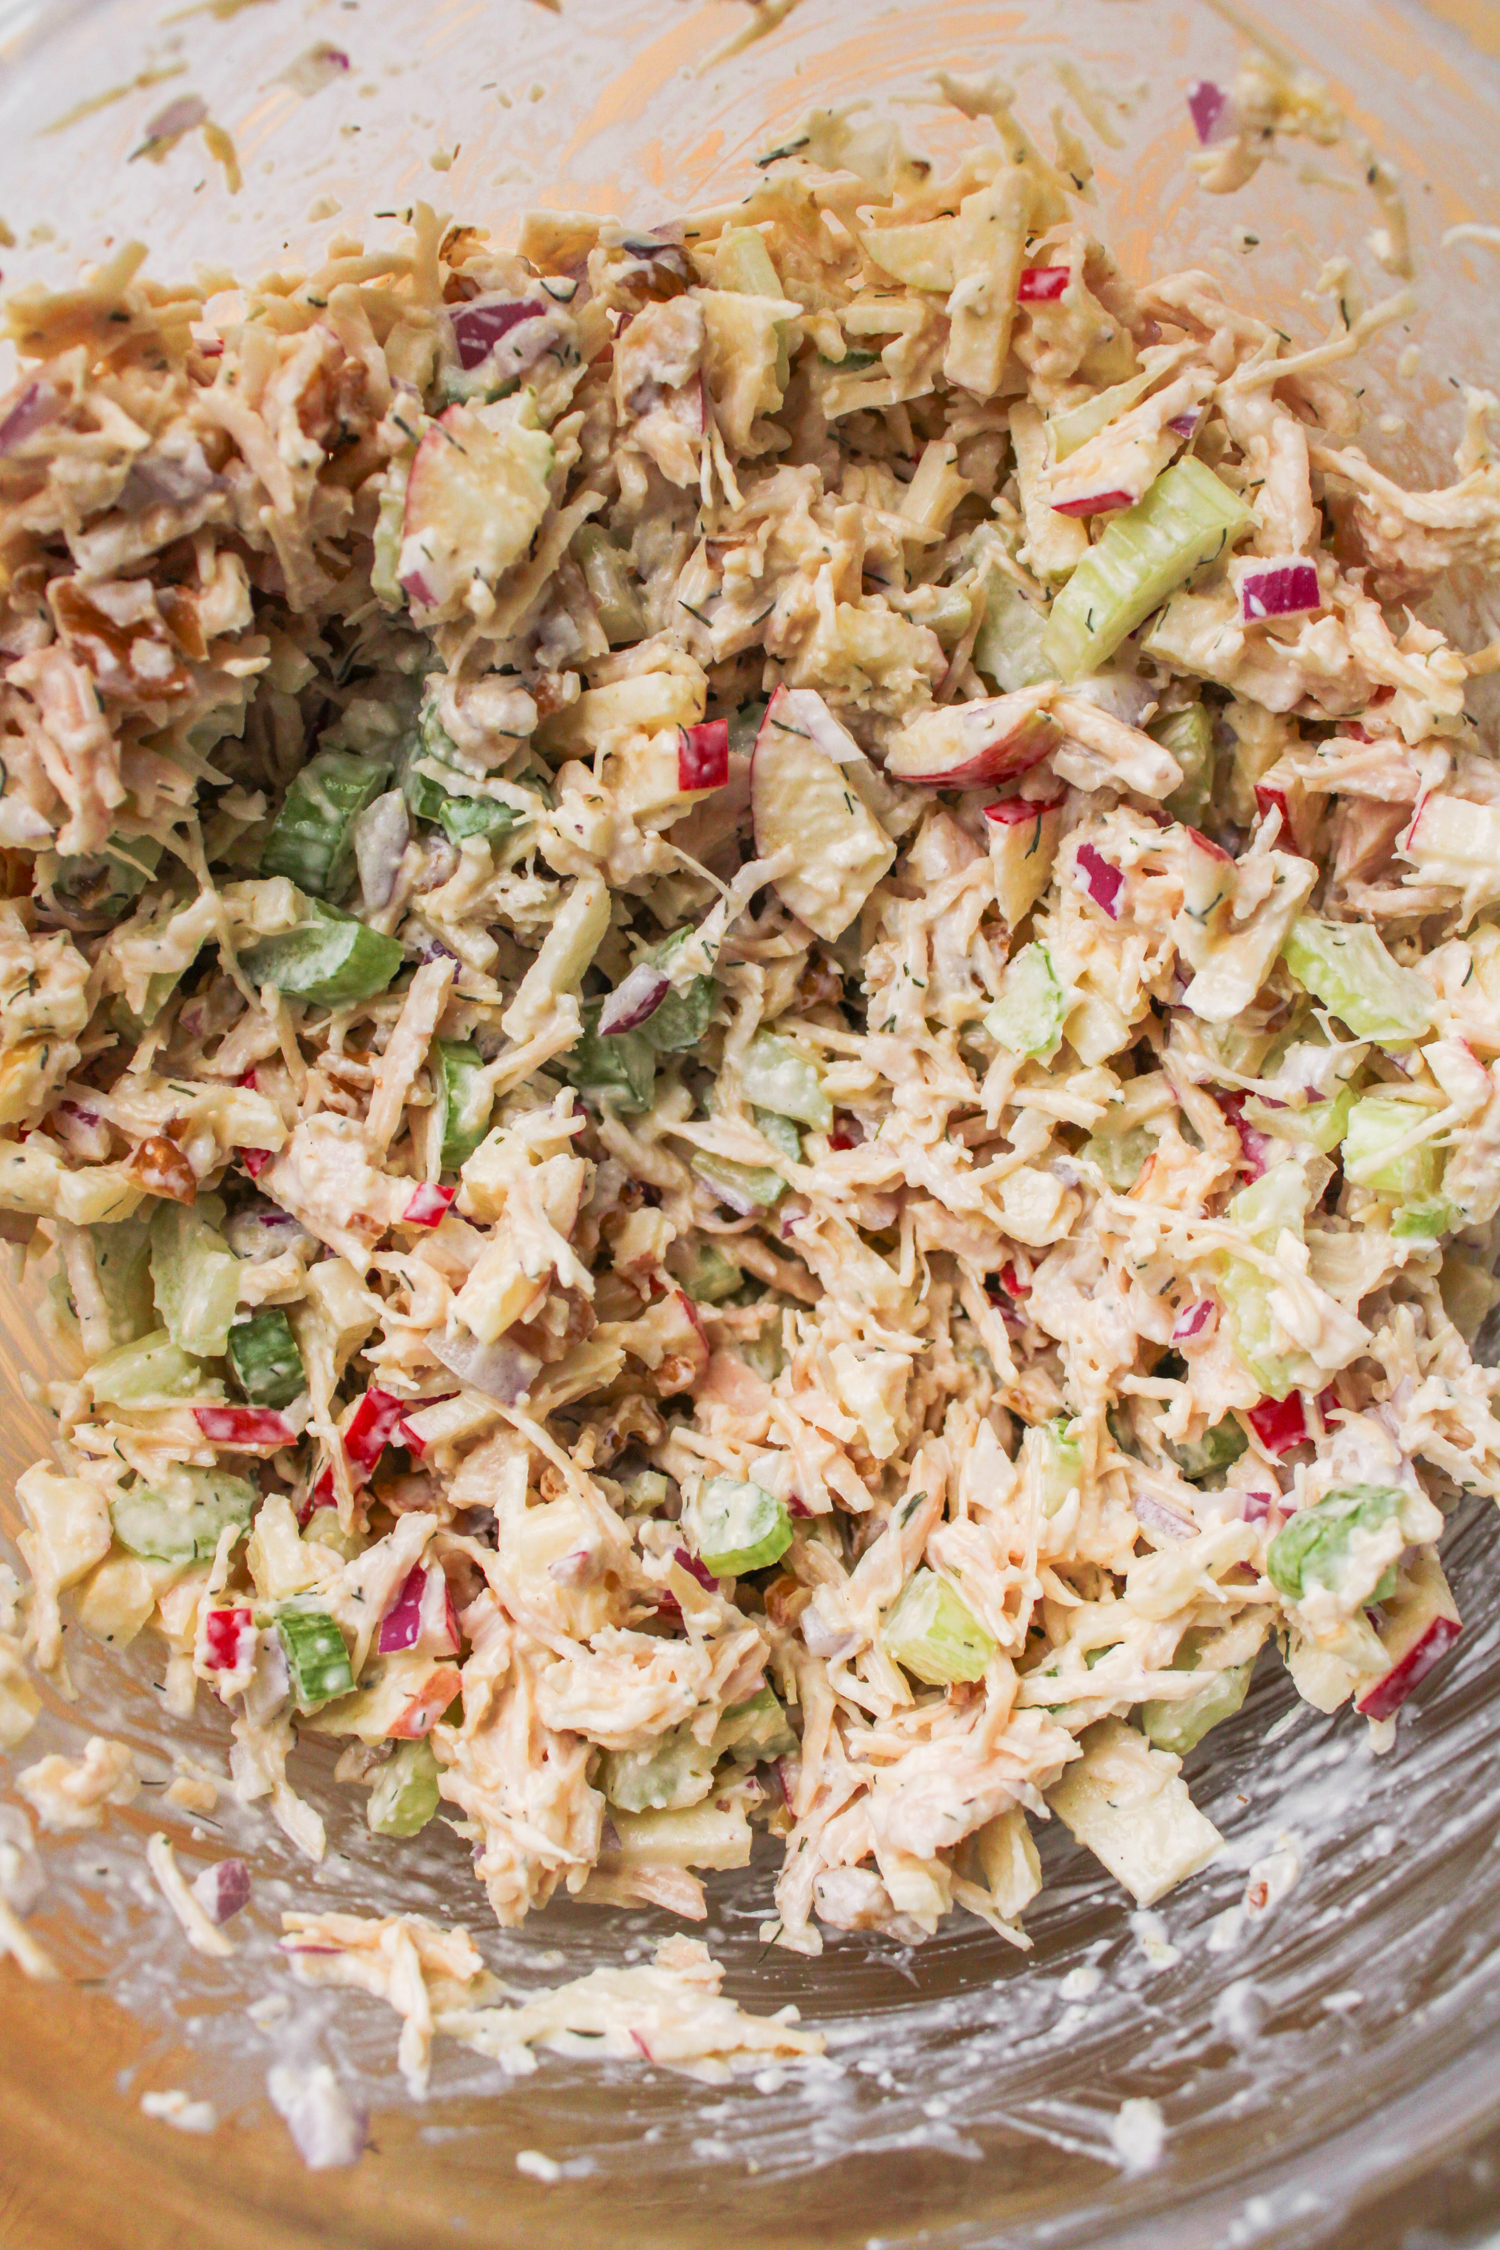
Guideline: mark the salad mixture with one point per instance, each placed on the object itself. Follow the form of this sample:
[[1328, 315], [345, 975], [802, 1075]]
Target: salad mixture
[[752, 984]]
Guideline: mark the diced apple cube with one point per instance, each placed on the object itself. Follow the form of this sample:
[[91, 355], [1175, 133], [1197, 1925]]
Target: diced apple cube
[[802, 803], [1126, 1802], [475, 500], [958, 745]]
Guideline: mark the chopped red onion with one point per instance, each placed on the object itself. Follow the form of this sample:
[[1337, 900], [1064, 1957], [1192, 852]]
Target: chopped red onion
[[703, 755], [1193, 1320], [249, 1429], [1254, 1145], [796, 1507], [1184, 425], [38, 404], [696, 1569], [428, 1206], [167, 480], [417, 591], [1280, 590], [1041, 285], [1105, 881], [223, 1891], [479, 325], [422, 1616], [1096, 503], [1258, 1505], [372, 1428], [328, 2130], [847, 1131], [830, 1642], [1156, 1516], [501, 1371], [1209, 108], [256, 1160], [1010, 812], [634, 1001]]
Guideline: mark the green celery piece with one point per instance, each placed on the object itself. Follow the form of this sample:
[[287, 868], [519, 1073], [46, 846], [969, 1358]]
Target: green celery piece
[[1346, 966], [1029, 1015], [312, 837], [317, 1661], [1321, 1125], [180, 1517], [675, 1772], [1120, 1155], [753, 1732], [1314, 1546], [1061, 1462], [149, 1370], [1188, 736], [478, 816], [739, 1184], [606, 573], [1425, 1221], [775, 1077], [933, 1634], [334, 961], [1179, 1726], [678, 1024], [739, 1527], [196, 1277], [103, 884], [646, 1491], [714, 1277], [1377, 1122], [265, 1360], [122, 1261], [404, 1793], [619, 1071], [1215, 1450], [1188, 517], [1008, 646], [468, 1097], [1075, 425], [781, 1133]]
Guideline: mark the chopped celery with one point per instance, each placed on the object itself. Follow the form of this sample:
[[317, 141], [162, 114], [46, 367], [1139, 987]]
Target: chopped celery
[[196, 1277], [1215, 1450], [1426, 1221], [180, 1516], [646, 1491], [1059, 1458], [619, 1070], [1178, 1726], [404, 1792], [606, 573], [776, 1077], [467, 1095], [1270, 1205], [312, 837], [739, 1527], [714, 1277], [478, 816], [752, 1732], [1274, 1203], [681, 1020], [1008, 645], [265, 1360], [317, 1661], [122, 1261], [1188, 736], [1028, 1017], [333, 961], [1380, 1122], [675, 1772], [934, 1635], [1346, 966], [1328, 1545], [146, 1373], [781, 1133], [745, 1187], [1120, 1155], [1187, 518], [1321, 1125], [1075, 425], [102, 886]]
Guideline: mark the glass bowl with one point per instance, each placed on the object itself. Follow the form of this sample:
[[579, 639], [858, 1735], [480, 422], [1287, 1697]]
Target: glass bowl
[[1328, 2073]]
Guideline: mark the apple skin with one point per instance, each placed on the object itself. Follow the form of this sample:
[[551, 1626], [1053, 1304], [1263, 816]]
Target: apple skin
[[965, 744], [1421, 1626]]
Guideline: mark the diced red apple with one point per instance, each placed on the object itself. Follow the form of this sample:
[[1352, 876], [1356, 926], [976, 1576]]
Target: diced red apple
[[422, 1618], [249, 1429], [226, 1648], [1023, 846], [423, 1712], [959, 745], [804, 805], [703, 755], [475, 500], [1421, 1625], [428, 1206]]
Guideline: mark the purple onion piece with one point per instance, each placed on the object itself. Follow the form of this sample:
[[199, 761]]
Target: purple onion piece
[[825, 1640], [401, 1626], [1158, 1517], [1208, 106], [38, 404], [501, 1371], [479, 326], [635, 1001], [1257, 1506], [1105, 881], [223, 1891], [1194, 1320], [1183, 425], [168, 480], [1284, 590], [696, 1569]]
